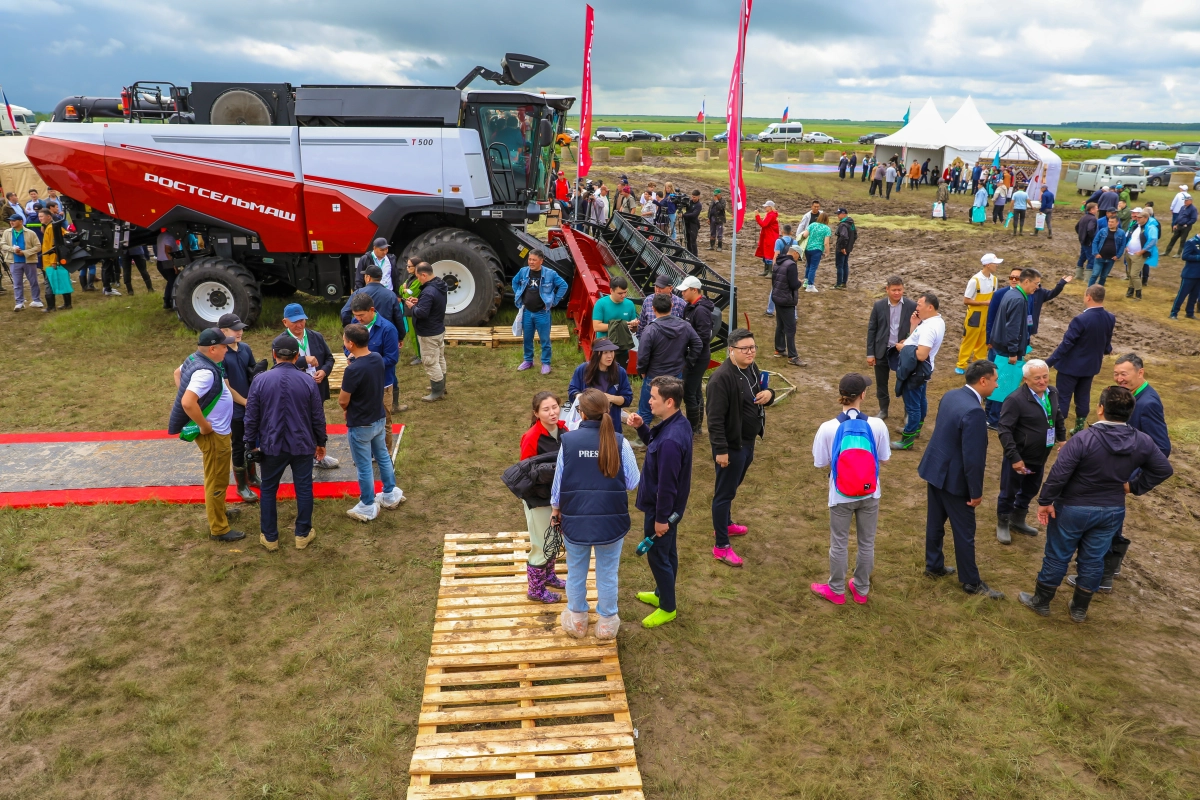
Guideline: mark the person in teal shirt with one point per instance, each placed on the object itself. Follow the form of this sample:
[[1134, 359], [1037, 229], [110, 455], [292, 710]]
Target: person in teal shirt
[[817, 235], [615, 306]]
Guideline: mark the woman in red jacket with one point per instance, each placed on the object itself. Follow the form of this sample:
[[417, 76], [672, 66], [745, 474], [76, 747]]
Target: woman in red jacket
[[541, 438], [767, 235]]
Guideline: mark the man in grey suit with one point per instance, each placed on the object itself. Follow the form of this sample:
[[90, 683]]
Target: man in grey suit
[[953, 467], [886, 331]]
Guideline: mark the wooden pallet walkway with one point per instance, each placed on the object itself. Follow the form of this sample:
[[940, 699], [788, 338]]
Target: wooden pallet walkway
[[495, 337], [512, 706]]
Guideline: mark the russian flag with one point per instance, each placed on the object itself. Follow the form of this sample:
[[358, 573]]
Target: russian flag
[[785, 114], [8, 110], [700, 116]]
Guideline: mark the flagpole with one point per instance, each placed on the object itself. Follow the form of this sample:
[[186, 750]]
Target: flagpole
[[734, 198], [704, 121]]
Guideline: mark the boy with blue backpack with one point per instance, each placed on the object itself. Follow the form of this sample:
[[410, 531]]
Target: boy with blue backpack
[[852, 445]]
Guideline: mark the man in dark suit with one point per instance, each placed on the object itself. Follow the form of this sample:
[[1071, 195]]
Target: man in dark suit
[[315, 358], [953, 467], [1080, 355], [889, 324]]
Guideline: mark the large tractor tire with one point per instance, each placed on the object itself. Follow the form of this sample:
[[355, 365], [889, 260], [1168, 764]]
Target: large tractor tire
[[210, 287], [470, 268]]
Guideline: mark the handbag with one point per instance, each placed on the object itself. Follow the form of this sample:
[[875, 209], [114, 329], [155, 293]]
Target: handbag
[[978, 214], [1039, 222], [939, 211], [518, 328]]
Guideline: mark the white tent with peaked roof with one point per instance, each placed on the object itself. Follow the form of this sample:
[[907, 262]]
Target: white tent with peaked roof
[[966, 135], [923, 137]]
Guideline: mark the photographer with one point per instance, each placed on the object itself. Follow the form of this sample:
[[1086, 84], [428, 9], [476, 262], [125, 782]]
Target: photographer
[[285, 427]]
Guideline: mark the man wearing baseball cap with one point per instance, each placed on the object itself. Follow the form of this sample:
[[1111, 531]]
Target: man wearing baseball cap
[[852, 445], [976, 298], [1181, 223], [391, 275], [21, 246], [240, 369], [698, 314], [285, 428], [203, 397], [315, 358]]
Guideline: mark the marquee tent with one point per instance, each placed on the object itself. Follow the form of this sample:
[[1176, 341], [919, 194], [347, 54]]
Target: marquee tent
[[966, 135], [16, 173], [1041, 166], [923, 137]]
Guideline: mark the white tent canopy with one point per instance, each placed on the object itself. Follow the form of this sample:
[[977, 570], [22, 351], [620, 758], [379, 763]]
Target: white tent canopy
[[926, 131], [1016, 146], [966, 134]]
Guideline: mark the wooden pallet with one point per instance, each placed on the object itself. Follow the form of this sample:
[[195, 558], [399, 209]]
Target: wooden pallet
[[335, 375], [512, 706], [495, 337]]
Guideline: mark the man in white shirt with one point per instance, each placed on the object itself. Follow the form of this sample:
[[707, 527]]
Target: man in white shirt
[[1177, 202], [976, 298], [926, 339], [864, 509]]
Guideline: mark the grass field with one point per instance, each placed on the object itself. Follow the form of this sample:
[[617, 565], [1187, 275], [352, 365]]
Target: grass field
[[138, 660]]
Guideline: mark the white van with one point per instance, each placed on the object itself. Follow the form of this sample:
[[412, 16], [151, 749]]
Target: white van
[[790, 132], [25, 119], [1097, 172]]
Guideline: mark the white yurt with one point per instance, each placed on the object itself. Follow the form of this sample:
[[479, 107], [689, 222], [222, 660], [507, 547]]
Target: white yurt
[[1040, 166]]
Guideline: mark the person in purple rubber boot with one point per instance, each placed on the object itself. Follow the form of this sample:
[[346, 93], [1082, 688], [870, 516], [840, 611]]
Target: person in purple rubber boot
[[536, 291], [541, 442]]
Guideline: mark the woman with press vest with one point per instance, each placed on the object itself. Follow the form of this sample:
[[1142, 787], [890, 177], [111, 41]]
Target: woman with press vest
[[541, 442], [595, 471], [602, 372]]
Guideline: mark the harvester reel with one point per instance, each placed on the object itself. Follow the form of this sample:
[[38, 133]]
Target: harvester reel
[[240, 107]]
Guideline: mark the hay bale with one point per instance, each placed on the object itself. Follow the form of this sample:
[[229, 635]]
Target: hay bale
[[601, 155], [806, 156], [703, 154], [748, 155], [721, 153], [833, 156], [633, 155], [1182, 179], [779, 156]]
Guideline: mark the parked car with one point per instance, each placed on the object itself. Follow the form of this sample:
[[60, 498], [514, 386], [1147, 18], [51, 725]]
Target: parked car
[[871, 137], [610, 134], [790, 132], [1134, 144], [1041, 137], [1152, 162], [1102, 144], [1161, 176], [637, 135], [1187, 150], [723, 137], [574, 134], [1075, 144], [816, 137], [1097, 172], [687, 136], [1157, 145]]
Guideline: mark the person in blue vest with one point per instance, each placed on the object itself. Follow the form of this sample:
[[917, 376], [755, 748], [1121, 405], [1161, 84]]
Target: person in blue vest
[[536, 291], [663, 493], [594, 472], [203, 397]]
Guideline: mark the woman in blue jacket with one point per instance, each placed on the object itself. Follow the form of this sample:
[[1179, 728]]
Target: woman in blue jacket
[[602, 372], [595, 471]]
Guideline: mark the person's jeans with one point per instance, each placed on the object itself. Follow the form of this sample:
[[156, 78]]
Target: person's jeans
[[663, 559], [916, 406], [1189, 289], [812, 260], [367, 441], [842, 263], [876, 185], [1018, 223], [728, 480], [168, 274], [1100, 271], [1049, 216], [866, 515], [608, 560], [644, 401], [1017, 491], [28, 271], [1086, 530], [1074, 386], [272, 471], [997, 215], [539, 321], [1086, 259], [127, 271], [991, 411], [888, 188], [785, 331]]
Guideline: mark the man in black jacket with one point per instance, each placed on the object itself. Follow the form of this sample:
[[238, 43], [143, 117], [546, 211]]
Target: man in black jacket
[[785, 293], [891, 318], [1083, 499], [428, 311], [716, 221], [846, 235], [691, 222], [736, 399], [953, 467], [391, 275], [1085, 229], [698, 314], [667, 347], [1031, 421], [315, 358]]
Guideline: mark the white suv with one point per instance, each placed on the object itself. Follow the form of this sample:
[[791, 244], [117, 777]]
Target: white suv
[[612, 135]]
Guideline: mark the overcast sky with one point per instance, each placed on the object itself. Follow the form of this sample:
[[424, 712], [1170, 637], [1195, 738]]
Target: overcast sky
[[1023, 61]]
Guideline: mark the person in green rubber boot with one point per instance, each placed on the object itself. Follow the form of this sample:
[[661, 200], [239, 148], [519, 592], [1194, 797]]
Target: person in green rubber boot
[[663, 492]]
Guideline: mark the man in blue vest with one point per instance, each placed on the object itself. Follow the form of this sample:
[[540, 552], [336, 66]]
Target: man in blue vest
[[203, 397], [663, 492]]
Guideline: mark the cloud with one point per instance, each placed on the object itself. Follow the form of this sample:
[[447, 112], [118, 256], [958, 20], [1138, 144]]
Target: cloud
[[1035, 61]]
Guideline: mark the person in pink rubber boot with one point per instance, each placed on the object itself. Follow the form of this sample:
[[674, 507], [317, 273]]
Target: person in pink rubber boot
[[736, 418], [851, 445]]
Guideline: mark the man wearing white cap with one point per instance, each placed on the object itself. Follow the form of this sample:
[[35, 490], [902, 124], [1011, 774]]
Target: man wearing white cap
[[1177, 201], [1182, 221], [976, 298]]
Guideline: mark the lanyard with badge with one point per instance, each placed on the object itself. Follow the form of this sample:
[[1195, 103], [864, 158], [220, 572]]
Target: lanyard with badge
[[303, 342], [1044, 402]]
